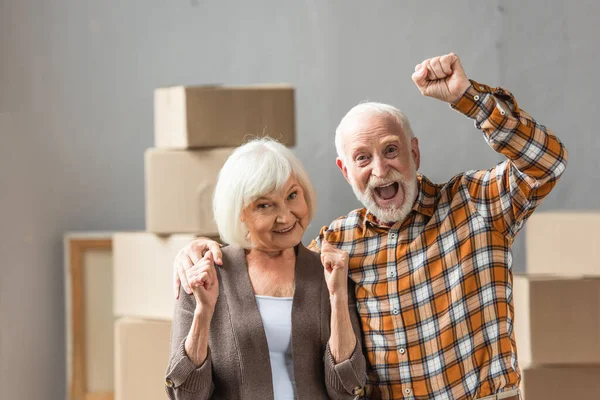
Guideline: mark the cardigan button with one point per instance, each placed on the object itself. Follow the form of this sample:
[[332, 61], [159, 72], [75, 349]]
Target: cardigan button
[[169, 383], [358, 391]]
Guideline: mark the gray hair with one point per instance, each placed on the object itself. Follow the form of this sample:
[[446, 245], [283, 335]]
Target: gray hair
[[254, 169], [374, 108]]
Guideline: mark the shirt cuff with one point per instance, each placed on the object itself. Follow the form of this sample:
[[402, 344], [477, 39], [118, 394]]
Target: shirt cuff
[[472, 101], [494, 107]]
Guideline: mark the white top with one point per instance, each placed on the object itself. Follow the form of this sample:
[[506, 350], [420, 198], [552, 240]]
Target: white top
[[276, 315]]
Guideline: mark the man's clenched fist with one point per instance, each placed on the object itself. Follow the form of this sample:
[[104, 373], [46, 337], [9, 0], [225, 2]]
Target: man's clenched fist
[[442, 78]]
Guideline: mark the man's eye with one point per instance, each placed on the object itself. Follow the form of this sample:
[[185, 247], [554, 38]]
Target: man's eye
[[391, 150], [361, 158]]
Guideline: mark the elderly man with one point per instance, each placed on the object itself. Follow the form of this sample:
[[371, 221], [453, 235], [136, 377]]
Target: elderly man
[[432, 262]]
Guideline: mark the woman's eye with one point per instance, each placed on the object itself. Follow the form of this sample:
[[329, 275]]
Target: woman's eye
[[262, 206], [293, 195]]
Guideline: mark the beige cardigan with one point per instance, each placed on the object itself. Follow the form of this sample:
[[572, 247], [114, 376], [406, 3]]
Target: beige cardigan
[[238, 364]]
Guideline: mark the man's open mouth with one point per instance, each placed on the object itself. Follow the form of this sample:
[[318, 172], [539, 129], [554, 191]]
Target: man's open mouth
[[388, 191]]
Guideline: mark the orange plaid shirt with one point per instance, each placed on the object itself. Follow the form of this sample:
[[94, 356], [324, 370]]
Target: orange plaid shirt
[[434, 292]]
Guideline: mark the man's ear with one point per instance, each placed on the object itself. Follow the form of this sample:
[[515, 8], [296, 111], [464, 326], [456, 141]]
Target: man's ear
[[415, 152], [342, 168]]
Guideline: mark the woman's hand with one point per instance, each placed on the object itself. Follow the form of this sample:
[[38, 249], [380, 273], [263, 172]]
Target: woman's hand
[[335, 263], [202, 278]]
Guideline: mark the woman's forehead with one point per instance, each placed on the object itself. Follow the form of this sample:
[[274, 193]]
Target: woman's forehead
[[292, 182]]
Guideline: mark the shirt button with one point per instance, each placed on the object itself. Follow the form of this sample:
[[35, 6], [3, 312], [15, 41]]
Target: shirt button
[[502, 112], [402, 351], [476, 97], [392, 273], [395, 311], [407, 391], [481, 88], [392, 236]]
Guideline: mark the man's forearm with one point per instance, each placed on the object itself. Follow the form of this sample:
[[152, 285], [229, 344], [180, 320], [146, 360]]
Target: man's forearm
[[508, 193], [512, 132]]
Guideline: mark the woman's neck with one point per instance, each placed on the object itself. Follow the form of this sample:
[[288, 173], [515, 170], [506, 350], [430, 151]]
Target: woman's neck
[[272, 273], [268, 255]]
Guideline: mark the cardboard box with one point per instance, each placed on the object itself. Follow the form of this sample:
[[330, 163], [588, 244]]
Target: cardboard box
[[560, 383], [557, 321], [141, 358], [563, 243], [143, 273], [179, 190], [222, 116]]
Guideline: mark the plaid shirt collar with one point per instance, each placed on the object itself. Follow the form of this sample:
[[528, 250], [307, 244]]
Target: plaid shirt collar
[[424, 204]]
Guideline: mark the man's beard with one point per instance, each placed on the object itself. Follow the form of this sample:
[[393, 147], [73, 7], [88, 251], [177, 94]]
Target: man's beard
[[392, 213]]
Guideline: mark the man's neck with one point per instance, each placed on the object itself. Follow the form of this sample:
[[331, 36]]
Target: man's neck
[[384, 224]]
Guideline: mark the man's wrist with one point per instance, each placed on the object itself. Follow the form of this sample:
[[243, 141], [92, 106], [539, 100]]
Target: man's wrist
[[463, 91], [471, 97]]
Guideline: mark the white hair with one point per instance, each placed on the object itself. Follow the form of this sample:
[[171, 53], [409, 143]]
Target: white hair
[[374, 108], [254, 169]]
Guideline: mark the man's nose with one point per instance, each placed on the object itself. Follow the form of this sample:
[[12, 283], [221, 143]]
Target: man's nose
[[380, 167]]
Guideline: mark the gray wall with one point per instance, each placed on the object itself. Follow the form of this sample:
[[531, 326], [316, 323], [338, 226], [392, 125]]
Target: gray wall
[[76, 114]]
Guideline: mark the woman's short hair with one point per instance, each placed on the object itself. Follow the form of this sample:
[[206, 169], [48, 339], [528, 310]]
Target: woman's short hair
[[253, 170]]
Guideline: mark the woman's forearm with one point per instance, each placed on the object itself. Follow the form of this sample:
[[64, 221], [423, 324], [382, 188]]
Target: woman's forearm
[[342, 340], [196, 342]]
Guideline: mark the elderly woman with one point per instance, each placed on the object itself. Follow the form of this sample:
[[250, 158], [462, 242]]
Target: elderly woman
[[275, 321]]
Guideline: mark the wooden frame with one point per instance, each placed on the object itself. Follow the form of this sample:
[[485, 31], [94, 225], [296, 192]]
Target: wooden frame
[[76, 246]]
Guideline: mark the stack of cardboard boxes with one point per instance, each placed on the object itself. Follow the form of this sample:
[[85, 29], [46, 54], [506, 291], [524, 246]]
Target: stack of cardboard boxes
[[196, 129], [557, 308]]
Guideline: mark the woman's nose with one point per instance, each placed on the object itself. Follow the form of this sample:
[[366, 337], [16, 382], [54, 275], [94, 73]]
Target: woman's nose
[[284, 215]]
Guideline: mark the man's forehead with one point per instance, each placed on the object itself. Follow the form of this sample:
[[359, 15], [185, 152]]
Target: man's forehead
[[367, 121], [366, 126]]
